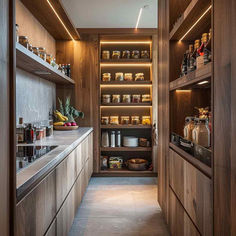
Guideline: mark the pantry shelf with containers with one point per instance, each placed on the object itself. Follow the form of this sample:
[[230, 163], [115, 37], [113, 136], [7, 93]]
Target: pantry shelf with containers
[[127, 120]]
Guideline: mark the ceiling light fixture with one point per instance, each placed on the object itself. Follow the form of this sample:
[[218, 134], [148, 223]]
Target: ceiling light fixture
[[208, 9], [139, 16], [60, 20], [203, 82]]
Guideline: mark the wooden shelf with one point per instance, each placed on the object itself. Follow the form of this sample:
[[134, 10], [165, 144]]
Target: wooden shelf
[[194, 11], [195, 162], [126, 149], [126, 126], [28, 61], [194, 77], [45, 15], [126, 104], [113, 82], [111, 61]]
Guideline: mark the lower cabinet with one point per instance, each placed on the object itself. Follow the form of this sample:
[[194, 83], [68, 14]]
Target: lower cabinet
[[49, 209]]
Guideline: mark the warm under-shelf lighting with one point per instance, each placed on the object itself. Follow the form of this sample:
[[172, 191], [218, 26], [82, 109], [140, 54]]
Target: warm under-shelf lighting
[[126, 65], [126, 42], [203, 82], [183, 90], [60, 20], [125, 85], [208, 9], [130, 106]]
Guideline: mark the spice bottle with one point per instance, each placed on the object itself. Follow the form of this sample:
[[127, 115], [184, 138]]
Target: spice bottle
[[20, 131], [29, 134]]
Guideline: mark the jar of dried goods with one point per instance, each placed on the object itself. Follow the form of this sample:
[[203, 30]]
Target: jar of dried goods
[[119, 76], [23, 40], [105, 54], [126, 54], [136, 98], [106, 77], [126, 98], [128, 77], [116, 55], [145, 54], [146, 120], [114, 120], [115, 98], [124, 120], [106, 98], [139, 77], [135, 54], [135, 120]]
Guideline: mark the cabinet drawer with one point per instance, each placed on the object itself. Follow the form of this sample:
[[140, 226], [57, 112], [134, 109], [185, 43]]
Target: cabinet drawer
[[78, 159], [180, 223], [193, 190]]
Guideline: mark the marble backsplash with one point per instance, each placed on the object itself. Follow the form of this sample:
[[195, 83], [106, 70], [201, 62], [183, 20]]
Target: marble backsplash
[[35, 97]]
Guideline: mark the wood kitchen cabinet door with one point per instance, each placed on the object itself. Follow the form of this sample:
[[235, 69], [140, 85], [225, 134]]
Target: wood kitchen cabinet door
[[35, 212], [179, 222], [52, 231], [78, 159], [194, 191]]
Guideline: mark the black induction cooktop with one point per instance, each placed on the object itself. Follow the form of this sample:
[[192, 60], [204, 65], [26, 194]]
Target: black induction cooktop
[[26, 155]]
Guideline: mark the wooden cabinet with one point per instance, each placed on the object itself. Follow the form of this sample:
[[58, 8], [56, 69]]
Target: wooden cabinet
[[49, 209], [179, 221], [194, 191]]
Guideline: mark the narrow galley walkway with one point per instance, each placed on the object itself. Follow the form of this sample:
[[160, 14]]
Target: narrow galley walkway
[[120, 206]]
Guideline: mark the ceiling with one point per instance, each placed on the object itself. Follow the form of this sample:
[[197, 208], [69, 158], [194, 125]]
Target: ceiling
[[111, 13]]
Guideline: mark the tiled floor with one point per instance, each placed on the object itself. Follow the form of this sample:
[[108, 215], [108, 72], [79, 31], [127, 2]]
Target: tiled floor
[[120, 206]]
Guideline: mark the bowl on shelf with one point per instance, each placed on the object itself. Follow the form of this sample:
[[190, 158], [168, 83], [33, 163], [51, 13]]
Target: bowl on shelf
[[137, 164]]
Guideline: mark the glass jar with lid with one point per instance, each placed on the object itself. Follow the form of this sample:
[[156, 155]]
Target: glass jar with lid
[[105, 120], [105, 54], [49, 58], [116, 55], [114, 120], [136, 98], [145, 54], [146, 98], [23, 40], [124, 120], [135, 54], [126, 98], [106, 98], [106, 77], [146, 120], [116, 98], [42, 53], [135, 120], [119, 76], [139, 77], [126, 54], [128, 77], [35, 50]]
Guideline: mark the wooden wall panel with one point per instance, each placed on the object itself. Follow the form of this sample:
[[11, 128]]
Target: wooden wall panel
[[29, 26], [224, 117]]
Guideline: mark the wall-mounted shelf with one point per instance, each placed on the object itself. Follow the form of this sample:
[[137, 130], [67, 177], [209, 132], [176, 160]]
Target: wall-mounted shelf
[[127, 104], [193, 77], [126, 149], [126, 126], [193, 12], [28, 61], [111, 61], [113, 82]]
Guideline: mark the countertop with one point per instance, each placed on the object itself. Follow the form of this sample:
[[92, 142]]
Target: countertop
[[66, 141]]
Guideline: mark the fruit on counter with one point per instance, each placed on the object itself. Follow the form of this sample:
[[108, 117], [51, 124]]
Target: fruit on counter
[[68, 124], [60, 123], [59, 116], [73, 124]]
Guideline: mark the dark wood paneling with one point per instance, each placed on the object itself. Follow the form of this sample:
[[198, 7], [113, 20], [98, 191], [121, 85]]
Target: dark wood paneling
[[224, 117]]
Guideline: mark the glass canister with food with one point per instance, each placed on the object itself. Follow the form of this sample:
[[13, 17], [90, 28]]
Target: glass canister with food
[[126, 98], [124, 120], [105, 54], [128, 77], [119, 76], [116, 55], [146, 120], [136, 98], [146, 98], [106, 77], [106, 98], [135, 120], [114, 120], [23, 40], [135, 54], [126, 54], [49, 58], [188, 128], [105, 120], [139, 77], [35, 50], [42, 53], [116, 98], [145, 54]]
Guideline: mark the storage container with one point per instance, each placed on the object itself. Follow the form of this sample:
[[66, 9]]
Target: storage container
[[139, 77], [119, 76], [128, 77], [105, 54], [106, 77], [116, 55], [124, 120], [114, 120], [135, 120], [136, 98], [106, 98], [126, 98], [115, 98]]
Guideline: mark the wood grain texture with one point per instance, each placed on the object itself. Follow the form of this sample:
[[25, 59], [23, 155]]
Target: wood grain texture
[[224, 118], [193, 189], [180, 224], [52, 231], [29, 26]]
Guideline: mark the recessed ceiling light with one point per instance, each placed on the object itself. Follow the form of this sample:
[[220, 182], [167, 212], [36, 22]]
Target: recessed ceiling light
[[203, 82], [139, 16]]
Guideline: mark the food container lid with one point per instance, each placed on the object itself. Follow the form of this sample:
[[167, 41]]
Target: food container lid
[[128, 74], [146, 95], [119, 73], [106, 74], [135, 117], [126, 95], [146, 117], [124, 117], [114, 117], [116, 51], [105, 51], [105, 117], [126, 51], [136, 95], [116, 95], [135, 51], [106, 95], [23, 37]]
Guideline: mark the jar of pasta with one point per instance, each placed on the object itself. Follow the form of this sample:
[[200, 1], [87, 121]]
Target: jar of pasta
[[145, 54], [116, 55], [135, 120], [136, 98], [23, 40], [124, 120], [126, 98], [135, 54], [146, 120], [114, 120], [115, 98], [146, 98], [126, 54], [139, 77], [128, 77], [119, 76], [106, 77], [106, 98], [105, 54], [105, 120]]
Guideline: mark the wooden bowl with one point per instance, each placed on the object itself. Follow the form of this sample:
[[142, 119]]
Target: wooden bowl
[[65, 128], [137, 164]]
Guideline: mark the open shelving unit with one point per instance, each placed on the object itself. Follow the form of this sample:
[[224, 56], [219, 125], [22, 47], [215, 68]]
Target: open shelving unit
[[127, 42]]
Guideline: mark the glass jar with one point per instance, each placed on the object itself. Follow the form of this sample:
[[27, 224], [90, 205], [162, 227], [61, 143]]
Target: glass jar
[[146, 98], [124, 120], [135, 120], [35, 50], [116, 55], [128, 77], [105, 120], [126, 54], [23, 40], [30, 47], [115, 98], [135, 54], [126, 98], [119, 76], [17, 33], [136, 98], [105, 55], [139, 77], [42, 53], [49, 58], [49, 130], [106, 77], [39, 134], [106, 98], [146, 120], [145, 54], [114, 120]]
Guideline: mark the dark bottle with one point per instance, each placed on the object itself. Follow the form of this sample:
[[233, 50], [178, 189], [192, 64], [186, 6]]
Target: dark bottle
[[29, 134], [207, 50], [184, 65], [190, 59], [68, 71]]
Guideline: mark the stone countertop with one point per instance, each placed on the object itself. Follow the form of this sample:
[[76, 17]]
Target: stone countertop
[[66, 141]]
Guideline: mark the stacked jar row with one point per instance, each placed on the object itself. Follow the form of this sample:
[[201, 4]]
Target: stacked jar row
[[120, 76], [126, 98], [125, 120], [125, 54]]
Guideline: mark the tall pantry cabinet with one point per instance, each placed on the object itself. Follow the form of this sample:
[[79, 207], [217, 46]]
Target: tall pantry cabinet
[[197, 195]]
